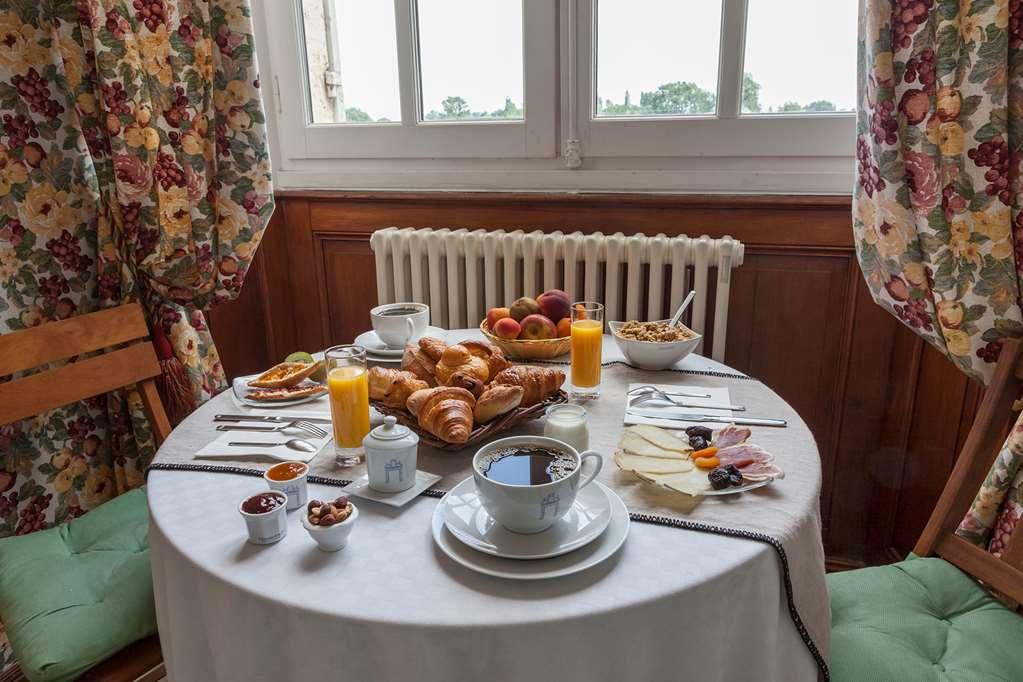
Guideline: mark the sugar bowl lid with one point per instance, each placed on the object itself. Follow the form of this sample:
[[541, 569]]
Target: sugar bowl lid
[[390, 434]]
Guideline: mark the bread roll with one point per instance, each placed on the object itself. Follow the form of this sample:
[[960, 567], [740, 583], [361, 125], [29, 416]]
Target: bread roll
[[495, 401]]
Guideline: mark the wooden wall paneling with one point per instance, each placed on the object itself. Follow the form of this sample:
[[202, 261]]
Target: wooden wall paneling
[[276, 285], [349, 282], [307, 297], [239, 327]]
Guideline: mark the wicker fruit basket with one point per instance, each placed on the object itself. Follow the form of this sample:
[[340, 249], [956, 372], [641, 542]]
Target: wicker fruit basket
[[482, 432], [528, 349]]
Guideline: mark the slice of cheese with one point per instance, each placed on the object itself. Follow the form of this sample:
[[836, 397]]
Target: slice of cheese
[[662, 438], [693, 482], [638, 445], [652, 465]]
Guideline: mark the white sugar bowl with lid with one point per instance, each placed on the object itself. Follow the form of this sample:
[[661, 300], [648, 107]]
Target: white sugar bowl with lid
[[391, 456]]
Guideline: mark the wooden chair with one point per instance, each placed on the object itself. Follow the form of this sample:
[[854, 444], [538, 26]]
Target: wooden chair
[[928, 617], [130, 360]]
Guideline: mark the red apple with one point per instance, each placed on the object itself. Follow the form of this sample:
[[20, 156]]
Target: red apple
[[564, 327], [506, 328], [536, 327], [554, 304], [495, 314]]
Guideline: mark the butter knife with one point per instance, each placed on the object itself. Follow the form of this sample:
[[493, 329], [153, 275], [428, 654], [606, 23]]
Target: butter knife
[[267, 418], [696, 417]]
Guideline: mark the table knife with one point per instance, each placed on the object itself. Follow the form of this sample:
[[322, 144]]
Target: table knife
[[267, 418], [696, 417]]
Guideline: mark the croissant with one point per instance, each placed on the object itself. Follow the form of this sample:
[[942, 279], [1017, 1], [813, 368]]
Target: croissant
[[432, 347], [458, 359], [537, 382], [392, 387], [495, 401], [468, 382], [416, 361], [444, 411], [496, 362]]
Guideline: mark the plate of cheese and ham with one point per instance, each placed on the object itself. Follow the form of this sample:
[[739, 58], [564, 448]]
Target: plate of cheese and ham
[[658, 456]]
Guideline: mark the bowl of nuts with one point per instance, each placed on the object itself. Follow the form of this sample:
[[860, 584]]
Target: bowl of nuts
[[329, 523], [654, 345]]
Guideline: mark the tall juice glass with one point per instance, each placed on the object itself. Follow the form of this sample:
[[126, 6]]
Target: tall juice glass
[[587, 341], [348, 382]]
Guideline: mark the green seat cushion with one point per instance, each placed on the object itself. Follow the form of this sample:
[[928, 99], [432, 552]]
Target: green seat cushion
[[922, 620], [77, 593]]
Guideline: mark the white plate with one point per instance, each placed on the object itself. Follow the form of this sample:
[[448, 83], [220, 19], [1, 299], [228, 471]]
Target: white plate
[[738, 489], [360, 488], [468, 521], [240, 388], [583, 558], [373, 345]]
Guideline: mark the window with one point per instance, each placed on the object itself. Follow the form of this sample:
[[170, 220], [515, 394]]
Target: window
[[697, 95]]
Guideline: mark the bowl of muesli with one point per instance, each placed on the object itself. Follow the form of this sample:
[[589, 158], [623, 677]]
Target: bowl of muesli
[[654, 345]]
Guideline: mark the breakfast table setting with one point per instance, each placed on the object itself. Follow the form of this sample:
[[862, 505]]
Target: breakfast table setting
[[439, 504]]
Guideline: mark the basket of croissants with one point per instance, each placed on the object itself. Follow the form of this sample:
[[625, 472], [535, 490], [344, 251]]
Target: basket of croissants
[[456, 396]]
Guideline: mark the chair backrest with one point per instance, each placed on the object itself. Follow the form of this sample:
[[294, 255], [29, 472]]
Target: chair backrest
[[462, 273], [133, 362], [983, 443]]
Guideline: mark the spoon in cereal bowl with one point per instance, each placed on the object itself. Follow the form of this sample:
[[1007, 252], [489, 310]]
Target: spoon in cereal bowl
[[677, 317]]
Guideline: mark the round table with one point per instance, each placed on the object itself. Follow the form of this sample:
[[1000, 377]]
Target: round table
[[671, 604]]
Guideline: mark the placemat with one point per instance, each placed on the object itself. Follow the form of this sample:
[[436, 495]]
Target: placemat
[[784, 514]]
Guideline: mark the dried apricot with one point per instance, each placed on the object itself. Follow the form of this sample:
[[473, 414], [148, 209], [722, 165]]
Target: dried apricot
[[705, 452], [707, 462]]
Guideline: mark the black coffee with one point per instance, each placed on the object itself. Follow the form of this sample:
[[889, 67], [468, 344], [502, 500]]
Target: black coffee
[[399, 311], [527, 465]]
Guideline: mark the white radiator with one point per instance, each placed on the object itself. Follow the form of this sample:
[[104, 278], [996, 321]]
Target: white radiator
[[462, 273]]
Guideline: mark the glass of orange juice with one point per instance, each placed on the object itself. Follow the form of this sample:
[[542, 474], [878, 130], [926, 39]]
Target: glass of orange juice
[[348, 383], [587, 342]]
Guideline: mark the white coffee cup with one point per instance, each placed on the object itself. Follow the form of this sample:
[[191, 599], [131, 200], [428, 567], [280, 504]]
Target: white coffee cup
[[398, 324], [532, 508]]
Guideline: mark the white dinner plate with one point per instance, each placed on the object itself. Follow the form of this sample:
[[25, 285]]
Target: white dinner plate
[[374, 346], [240, 388], [581, 559], [469, 522]]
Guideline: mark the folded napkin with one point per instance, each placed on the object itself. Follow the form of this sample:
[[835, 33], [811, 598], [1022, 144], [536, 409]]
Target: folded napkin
[[220, 447], [718, 396]]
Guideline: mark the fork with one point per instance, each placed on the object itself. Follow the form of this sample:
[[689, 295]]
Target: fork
[[311, 429], [640, 390], [661, 397]]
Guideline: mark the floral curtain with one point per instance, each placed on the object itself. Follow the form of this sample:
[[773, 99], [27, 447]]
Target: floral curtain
[[133, 166], [936, 211]]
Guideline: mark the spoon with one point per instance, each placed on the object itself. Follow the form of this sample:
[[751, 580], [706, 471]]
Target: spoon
[[294, 444], [681, 309]]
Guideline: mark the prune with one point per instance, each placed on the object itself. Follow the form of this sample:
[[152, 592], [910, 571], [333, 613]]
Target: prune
[[697, 442], [702, 431], [734, 475], [719, 479]]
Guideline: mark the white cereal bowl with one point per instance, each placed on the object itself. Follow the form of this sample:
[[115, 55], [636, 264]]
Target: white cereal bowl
[[331, 538], [653, 354]]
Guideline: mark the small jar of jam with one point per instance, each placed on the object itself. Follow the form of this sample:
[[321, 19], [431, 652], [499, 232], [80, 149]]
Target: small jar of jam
[[265, 516]]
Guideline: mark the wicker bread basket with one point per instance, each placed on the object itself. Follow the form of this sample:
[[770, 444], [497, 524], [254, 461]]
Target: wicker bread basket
[[481, 432], [528, 349]]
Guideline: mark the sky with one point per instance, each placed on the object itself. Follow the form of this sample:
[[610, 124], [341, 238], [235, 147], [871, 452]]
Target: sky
[[798, 50]]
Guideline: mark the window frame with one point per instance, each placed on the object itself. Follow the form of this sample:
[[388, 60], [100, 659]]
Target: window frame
[[534, 136], [727, 133]]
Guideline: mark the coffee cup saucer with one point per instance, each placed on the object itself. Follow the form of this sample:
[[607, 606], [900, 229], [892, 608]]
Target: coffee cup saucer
[[467, 520], [374, 346]]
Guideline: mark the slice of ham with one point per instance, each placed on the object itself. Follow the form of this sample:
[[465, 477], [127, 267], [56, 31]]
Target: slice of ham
[[755, 463], [729, 436]]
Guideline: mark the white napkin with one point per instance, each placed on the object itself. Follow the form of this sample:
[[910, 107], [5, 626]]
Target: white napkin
[[220, 447], [718, 396]]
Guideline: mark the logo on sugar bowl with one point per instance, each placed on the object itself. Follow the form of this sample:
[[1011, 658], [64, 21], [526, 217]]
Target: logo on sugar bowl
[[395, 466], [549, 503]]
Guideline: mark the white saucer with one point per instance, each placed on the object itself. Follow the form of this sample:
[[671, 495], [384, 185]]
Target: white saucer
[[374, 346], [465, 518], [585, 557], [360, 488]]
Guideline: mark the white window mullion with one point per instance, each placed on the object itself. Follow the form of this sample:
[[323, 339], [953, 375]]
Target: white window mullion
[[730, 61], [408, 61]]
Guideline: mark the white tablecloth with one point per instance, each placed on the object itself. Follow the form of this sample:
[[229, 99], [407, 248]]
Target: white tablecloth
[[671, 605]]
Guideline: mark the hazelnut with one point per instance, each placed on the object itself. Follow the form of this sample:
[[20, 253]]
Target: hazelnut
[[314, 520], [328, 520], [316, 511], [312, 506]]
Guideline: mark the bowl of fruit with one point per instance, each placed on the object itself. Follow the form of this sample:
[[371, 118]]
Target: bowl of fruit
[[531, 329]]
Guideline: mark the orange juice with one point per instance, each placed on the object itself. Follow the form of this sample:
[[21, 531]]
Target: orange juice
[[587, 338], [349, 404]]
